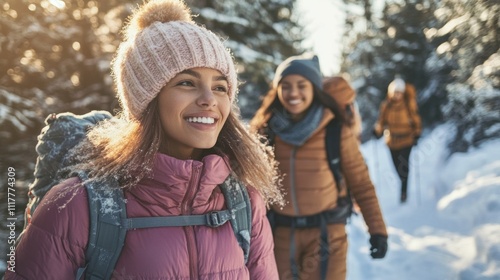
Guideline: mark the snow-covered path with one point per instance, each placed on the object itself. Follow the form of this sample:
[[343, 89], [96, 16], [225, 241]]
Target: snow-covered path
[[450, 226]]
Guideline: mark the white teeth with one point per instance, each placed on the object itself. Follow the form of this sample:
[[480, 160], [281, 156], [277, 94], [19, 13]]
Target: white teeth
[[294, 101], [206, 120]]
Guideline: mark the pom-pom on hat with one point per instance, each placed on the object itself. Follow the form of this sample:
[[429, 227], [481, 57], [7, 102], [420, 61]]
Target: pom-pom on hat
[[306, 65], [161, 40]]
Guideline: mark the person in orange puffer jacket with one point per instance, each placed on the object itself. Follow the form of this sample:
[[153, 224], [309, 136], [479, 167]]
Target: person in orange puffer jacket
[[310, 239], [400, 123]]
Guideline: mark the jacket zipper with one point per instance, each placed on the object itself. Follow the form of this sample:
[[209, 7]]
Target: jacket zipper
[[293, 190], [189, 230]]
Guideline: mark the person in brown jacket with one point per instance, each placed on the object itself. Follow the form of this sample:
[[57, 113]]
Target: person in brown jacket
[[309, 231], [400, 123]]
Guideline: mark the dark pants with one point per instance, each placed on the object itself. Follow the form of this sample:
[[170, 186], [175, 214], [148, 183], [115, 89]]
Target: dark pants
[[401, 160]]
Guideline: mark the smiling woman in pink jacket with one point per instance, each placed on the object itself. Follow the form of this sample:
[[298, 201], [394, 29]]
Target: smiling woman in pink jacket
[[178, 138]]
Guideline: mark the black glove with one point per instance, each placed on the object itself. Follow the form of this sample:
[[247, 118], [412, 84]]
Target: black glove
[[379, 246]]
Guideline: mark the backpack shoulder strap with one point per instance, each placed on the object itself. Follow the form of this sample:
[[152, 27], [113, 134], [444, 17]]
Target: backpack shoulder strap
[[109, 223], [333, 139], [238, 203], [239, 213], [332, 144], [107, 233]]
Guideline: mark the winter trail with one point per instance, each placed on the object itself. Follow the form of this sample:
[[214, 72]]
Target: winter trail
[[448, 228]]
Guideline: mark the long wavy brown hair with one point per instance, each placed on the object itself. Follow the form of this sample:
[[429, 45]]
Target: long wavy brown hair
[[125, 149]]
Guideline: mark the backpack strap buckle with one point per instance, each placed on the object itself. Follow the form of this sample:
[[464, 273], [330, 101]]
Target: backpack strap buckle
[[217, 218], [301, 222]]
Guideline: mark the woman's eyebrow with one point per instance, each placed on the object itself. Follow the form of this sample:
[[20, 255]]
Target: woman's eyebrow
[[197, 75], [220, 78], [191, 72]]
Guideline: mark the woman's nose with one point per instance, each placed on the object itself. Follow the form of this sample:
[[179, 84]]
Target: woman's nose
[[206, 98], [292, 91]]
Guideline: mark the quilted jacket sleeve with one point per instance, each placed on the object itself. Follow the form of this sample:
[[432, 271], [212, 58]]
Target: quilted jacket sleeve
[[358, 179], [261, 262], [53, 245]]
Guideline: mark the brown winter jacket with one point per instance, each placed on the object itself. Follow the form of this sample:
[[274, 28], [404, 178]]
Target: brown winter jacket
[[400, 119], [309, 184]]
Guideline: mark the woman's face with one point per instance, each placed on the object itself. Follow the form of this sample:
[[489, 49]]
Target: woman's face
[[397, 96], [296, 94], [193, 107]]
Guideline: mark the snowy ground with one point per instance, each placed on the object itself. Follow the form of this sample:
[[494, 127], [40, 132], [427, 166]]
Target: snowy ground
[[450, 226]]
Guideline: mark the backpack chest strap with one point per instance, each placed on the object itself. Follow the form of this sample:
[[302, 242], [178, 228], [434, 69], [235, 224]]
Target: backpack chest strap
[[212, 219], [108, 228]]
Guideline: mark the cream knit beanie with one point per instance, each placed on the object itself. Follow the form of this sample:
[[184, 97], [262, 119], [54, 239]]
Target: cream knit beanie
[[162, 41], [398, 85]]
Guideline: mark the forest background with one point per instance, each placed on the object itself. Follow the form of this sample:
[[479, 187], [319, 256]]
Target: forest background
[[55, 57]]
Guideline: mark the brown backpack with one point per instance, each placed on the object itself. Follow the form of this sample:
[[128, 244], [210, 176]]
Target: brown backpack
[[345, 96]]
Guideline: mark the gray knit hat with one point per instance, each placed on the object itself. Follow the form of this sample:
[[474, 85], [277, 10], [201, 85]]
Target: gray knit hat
[[162, 41], [306, 65]]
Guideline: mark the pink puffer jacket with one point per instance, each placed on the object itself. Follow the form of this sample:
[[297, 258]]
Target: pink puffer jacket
[[53, 246]]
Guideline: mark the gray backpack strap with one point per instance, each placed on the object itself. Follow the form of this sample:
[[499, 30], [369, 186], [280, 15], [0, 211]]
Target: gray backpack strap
[[238, 202], [212, 219], [239, 213], [107, 234], [109, 223]]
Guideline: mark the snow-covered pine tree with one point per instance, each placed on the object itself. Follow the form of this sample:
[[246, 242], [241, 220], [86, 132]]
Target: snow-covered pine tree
[[392, 44], [56, 54], [468, 48]]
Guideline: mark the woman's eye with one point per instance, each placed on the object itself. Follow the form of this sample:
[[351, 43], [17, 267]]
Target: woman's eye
[[221, 89], [185, 83]]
